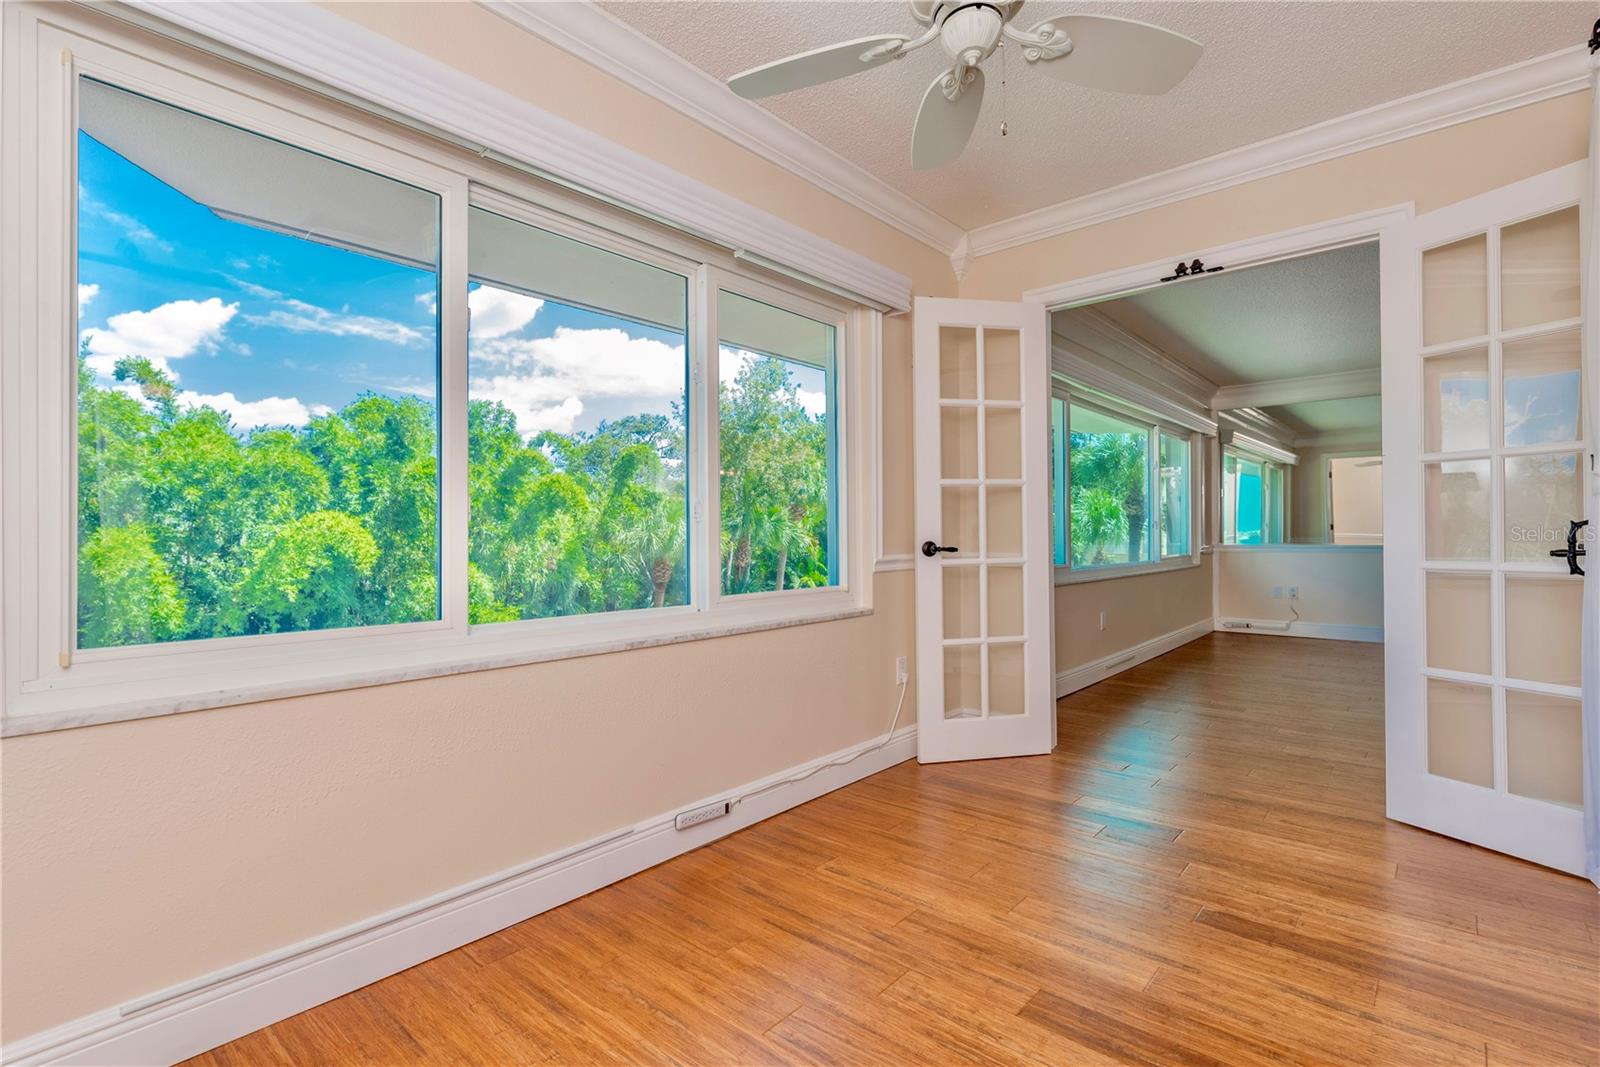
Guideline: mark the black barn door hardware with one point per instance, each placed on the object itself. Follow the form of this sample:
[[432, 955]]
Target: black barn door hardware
[[1573, 549], [1189, 270], [930, 549]]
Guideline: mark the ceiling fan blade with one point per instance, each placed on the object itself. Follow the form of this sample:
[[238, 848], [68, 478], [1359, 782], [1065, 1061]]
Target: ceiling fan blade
[[1121, 54], [813, 68], [943, 125]]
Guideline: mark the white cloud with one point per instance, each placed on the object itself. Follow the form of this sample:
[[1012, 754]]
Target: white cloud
[[169, 331], [814, 401], [546, 380], [301, 317], [132, 228], [248, 414], [730, 361], [497, 312], [86, 293]]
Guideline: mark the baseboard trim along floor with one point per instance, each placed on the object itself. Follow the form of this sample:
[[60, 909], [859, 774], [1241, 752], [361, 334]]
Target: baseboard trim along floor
[[1070, 681], [185, 1020]]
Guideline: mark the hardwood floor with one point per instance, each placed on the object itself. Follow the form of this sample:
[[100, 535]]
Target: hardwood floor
[[1201, 873]]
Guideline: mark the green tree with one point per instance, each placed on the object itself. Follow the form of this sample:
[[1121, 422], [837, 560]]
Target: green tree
[[311, 576], [126, 595]]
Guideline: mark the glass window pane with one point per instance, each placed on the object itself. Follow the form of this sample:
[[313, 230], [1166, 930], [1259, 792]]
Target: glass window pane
[[1008, 691], [961, 601], [960, 519], [1460, 737], [1004, 520], [1455, 291], [778, 430], [1274, 523], [1542, 494], [1175, 482], [1455, 402], [1544, 629], [1458, 619], [963, 682], [1544, 747], [1005, 601], [1248, 521], [958, 362], [958, 442], [1455, 498], [1002, 443], [257, 382], [1109, 507], [576, 439], [1543, 389], [1002, 365], [1539, 270]]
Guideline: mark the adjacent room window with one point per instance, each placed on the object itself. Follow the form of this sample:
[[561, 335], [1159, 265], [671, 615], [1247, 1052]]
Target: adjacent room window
[[1253, 508], [1123, 489], [258, 374], [777, 442], [577, 427], [1355, 500]]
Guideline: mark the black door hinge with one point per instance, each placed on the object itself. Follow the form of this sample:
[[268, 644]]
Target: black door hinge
[[1594, 38], [1189, 270]]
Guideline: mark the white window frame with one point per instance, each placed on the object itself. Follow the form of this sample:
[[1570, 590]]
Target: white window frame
[[47, 683], [1061, 489], [1268, 510]]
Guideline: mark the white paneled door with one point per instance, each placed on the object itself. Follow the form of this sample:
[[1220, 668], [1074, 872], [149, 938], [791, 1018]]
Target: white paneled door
[[983, 567], [1487, 452]]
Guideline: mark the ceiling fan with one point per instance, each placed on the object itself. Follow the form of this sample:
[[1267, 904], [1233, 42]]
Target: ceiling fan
[[1099, 51]]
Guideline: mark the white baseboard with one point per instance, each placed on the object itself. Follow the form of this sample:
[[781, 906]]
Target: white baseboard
[[1070, 681], [186, 1020], [1327, 631]]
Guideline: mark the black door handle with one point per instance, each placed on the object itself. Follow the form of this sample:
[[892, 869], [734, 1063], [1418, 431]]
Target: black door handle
[[930, 549], [1573, 549]]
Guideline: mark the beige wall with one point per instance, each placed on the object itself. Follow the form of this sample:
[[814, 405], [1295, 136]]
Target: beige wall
[[142, 854], [1339, 585], [1137, 609]]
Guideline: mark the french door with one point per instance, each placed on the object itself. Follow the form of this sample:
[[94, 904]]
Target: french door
[[1487, 454], [983, 563]]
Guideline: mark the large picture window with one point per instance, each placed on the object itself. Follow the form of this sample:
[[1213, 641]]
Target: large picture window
[[257, 379], [1124, 489], [338, 405]]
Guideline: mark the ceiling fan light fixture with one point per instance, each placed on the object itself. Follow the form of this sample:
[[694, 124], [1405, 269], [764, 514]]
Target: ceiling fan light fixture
[[969, 34]]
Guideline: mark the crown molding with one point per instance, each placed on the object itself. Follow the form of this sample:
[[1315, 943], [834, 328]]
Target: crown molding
[[305, 40], [1505, 89], [600, 38], [1340, 385]]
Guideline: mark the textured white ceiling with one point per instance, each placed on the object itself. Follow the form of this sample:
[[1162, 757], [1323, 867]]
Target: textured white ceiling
[[1333, 416], [1269, 68], [1297, 317]]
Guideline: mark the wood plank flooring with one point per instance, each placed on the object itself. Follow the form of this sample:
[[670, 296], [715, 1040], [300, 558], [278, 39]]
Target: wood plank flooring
[[1201, 873]]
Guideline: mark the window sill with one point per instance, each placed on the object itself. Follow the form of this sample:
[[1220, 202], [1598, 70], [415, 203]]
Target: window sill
[[1300, 546], [223, 685], [1068, 576]]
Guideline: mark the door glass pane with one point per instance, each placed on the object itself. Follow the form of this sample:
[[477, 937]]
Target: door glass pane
[[958, 363], [1459, 618], [1543, 388], [1005, 521], [1005, 601], [1544, 747], [1544, 629], [1109, 506], [1542, 494], [258, 378], [1456, 502], [1455, 291], [1174, 475], [1002, 365], [1455, 402], [1460, 735], [1007, 694], [961, 604], [963, 681], [1539, 279], [958, 442], [1003, 443], [960, 529]]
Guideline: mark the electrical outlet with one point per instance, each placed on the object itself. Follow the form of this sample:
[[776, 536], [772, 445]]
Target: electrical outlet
[[902, 673], [1102, 620], [1294, 592], [1277, 592], [687, 819]]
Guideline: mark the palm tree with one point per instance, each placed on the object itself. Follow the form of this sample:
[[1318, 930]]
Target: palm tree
[[1097, 518]]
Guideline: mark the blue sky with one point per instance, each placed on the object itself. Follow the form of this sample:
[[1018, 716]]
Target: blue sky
[[275, 329]]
